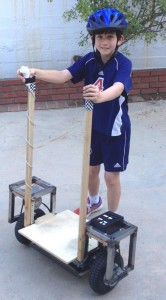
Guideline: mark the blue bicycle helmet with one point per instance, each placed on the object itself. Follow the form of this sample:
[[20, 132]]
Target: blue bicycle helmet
[[106, 18]]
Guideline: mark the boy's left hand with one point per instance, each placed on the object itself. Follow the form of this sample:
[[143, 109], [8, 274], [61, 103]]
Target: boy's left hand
[[92, 93]]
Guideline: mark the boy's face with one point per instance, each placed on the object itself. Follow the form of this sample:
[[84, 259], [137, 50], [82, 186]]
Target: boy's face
[[106, 44]]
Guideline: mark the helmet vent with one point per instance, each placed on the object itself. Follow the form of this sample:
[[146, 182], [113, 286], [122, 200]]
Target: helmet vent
[[111, 17]]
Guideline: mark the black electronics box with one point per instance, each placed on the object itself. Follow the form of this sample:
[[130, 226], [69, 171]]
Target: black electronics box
[[108, 222]]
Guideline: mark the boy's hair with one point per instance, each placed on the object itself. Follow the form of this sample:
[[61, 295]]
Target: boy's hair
[[119, 33]]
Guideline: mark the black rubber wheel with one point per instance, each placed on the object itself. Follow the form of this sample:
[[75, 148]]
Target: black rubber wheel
[[97, 272], [20, 224]]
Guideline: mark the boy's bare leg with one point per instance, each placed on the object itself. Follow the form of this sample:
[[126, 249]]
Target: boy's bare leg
[[112, 180], [94, 180]]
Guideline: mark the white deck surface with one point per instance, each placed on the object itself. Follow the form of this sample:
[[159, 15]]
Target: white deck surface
[[57, 234]]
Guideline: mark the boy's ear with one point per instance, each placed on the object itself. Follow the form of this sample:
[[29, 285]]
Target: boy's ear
[[121, 40]]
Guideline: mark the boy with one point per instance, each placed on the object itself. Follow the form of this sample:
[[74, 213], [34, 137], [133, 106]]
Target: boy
[[107, 77]]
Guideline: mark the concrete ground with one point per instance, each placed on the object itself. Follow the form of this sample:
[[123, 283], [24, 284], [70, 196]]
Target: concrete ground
[[27, 274]]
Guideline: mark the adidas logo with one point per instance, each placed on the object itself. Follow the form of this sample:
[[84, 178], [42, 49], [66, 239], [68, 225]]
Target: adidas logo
[[117, 166]]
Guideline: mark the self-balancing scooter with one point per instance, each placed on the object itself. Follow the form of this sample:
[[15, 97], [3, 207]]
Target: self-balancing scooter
[[78, 245]]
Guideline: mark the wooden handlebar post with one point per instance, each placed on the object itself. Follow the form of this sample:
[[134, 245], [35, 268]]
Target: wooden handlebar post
[[84, 184], [29, 158]]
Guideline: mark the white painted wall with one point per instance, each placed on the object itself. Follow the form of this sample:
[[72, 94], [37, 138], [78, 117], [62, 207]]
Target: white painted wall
[[33, 33], [148, 57]]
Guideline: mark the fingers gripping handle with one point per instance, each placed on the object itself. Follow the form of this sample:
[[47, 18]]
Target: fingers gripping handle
[[29, 81]]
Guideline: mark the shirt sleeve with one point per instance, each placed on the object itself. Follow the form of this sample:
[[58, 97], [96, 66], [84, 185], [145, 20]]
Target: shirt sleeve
[[77, 70], [123, 74]]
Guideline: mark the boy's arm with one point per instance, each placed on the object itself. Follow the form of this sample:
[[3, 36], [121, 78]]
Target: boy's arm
[[54, 76], [92, 92]]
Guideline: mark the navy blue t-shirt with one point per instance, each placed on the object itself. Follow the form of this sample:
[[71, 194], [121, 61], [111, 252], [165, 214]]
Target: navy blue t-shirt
[[111, 117]]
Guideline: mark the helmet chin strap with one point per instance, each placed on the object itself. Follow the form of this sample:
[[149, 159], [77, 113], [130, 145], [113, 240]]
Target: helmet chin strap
[[97, 55]]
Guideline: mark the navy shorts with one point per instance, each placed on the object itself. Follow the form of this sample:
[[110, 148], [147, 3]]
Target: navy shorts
[[112, 151]]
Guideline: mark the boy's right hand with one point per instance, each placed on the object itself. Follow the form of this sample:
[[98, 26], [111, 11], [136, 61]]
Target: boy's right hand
[[21, 75]]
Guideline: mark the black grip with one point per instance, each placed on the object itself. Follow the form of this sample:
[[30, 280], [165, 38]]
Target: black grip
[[30, 79]]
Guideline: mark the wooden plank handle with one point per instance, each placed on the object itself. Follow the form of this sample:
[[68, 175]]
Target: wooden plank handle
[[84, 185], [29, 158]]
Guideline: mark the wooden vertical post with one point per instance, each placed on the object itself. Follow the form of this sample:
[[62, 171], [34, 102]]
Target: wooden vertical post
[[84, 185], [29, 158]]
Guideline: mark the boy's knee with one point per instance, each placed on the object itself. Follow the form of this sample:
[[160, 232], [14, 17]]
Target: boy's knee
[[112, 178], [94, 171]]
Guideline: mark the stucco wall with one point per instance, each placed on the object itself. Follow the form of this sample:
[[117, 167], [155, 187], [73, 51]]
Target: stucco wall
[[33, 33]]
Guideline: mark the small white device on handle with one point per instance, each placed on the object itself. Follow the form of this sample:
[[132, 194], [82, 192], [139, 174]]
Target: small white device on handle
[[29, 81], [25, 71]]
